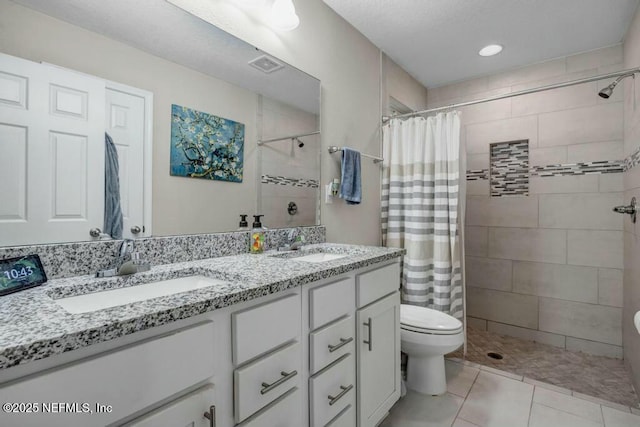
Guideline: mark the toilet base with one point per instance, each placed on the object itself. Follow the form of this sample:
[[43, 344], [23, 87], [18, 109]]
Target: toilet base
[[426, 375]]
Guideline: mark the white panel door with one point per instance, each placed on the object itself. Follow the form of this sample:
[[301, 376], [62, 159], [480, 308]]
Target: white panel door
[[51, 153], [125, 119]]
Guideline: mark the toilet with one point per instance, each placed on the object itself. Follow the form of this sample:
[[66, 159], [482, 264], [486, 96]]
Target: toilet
[[426, 335]]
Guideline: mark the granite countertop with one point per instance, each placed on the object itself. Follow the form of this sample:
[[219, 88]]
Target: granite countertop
[[33, 326]]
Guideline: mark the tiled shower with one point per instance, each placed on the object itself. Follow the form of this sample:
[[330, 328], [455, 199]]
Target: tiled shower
[[544, 251]]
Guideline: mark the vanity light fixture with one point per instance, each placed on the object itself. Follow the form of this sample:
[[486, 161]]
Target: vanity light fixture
[[283, 15], [490, 50]]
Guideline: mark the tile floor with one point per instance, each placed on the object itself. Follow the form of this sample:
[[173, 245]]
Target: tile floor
[[486, 397], [602, 377]]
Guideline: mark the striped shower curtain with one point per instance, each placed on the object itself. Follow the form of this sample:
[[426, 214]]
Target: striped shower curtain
[[420, 208]]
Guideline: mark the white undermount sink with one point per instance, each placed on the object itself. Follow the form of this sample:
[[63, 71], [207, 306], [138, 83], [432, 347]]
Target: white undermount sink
[[112, 298], [319, 257]]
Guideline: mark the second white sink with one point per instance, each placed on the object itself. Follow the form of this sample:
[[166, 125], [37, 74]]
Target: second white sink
[[115, 297], [319, 257]]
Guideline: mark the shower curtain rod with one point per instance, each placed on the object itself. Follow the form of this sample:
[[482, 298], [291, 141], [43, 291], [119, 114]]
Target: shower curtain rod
[[630, 72], [282, 138]]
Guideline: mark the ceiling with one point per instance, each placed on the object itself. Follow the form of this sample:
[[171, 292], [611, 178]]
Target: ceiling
[[437, 41], [160, 28]]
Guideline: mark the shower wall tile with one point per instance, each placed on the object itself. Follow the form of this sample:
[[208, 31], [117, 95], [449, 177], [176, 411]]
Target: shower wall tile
[[594, 347], [489, 273], [543, 70], [555, 100], [610, 282], [528, 244], [566, 282], [590, 211], [595, 248], [479, 187], [595, 59], [478, 161], [581, 125], [476, 243], [479, 136], [478, 113], [595, 151], [477, 324], [564, 184], [502, 212], [503, 307], [527, 334], [611, 182], [576, 319], [548, 156]]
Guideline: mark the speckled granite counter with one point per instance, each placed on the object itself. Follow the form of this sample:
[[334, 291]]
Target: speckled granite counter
[[33, 326]]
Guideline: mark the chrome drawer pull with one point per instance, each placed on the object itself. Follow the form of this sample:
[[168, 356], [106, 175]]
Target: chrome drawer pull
[[266, 387], [369, 324], [211, 416], [344, 391], [343, 342]]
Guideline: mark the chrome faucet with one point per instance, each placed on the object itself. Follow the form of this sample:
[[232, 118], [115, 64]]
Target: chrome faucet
[[294, 241], [128, 262]]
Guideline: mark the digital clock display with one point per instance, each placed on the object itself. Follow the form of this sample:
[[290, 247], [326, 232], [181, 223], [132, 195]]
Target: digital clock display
[[21, 273]]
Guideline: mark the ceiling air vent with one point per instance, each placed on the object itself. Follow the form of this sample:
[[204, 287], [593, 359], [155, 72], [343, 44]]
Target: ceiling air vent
[[266, 64]]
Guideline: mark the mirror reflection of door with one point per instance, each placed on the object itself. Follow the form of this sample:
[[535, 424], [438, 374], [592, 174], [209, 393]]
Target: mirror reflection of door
[[125, 119], [52, 174]]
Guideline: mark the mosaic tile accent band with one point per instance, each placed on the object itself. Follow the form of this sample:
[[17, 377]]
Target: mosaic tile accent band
[[477, 174], [294, 182], [603, 166], [509, 173]]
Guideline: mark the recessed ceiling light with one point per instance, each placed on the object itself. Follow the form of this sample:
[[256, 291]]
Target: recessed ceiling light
[[492, 49]]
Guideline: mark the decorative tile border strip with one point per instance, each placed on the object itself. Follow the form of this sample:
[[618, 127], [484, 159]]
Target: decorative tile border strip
[[587, 168], [576, 169], [294, 182], [509, 173], [477, 174]]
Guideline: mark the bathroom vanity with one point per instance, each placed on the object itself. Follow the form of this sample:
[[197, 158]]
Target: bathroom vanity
[[286, 339]]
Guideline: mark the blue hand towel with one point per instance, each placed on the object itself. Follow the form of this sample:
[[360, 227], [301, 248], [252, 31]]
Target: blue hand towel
[[351, 185], [112, 210]]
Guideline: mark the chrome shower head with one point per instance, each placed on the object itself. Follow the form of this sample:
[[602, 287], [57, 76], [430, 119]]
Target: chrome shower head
[[608, 91]]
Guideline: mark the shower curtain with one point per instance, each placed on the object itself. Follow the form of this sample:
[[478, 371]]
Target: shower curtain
[[421, 209]]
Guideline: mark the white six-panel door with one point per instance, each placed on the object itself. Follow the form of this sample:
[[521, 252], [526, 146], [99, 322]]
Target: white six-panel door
[[125, 122], [51, 153]]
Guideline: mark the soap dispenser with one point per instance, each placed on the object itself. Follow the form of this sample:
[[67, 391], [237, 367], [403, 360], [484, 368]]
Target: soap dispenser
[[257, 236], [244, 225]]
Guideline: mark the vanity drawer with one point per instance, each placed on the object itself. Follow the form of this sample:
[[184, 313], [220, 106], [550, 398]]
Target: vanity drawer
[[375, 284], [346, 418], [258, 330], [129, 379], [330, 343], [284, 412], [330, 301], [261, 382], [332, 390]]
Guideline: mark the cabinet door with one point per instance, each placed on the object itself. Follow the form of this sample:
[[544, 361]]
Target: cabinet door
[[188, 411], [378, 359]]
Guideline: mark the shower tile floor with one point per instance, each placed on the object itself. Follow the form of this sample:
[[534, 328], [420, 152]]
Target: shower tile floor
[[592, 376], [480, 396]]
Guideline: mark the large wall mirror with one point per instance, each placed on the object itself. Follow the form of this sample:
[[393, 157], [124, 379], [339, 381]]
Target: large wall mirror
[[206, 127]]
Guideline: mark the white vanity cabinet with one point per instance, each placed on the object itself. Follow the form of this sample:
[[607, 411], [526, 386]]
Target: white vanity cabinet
[[325, 354], [123, 382], [378, 349]]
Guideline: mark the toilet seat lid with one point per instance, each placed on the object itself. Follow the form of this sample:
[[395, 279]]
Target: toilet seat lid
[[417, 317]]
